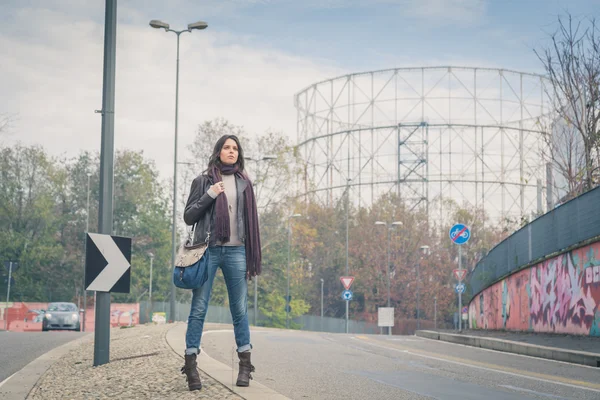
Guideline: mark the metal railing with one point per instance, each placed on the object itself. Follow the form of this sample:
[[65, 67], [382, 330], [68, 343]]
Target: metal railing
[[567, 225]]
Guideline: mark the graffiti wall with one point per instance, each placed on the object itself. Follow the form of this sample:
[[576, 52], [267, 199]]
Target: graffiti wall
[[559, 295]]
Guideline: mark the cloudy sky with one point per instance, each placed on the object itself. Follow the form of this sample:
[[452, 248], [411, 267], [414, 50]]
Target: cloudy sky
[[246, 67]]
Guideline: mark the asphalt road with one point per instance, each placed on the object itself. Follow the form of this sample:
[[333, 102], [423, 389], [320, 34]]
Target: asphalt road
[[310, 365], [17, 349]]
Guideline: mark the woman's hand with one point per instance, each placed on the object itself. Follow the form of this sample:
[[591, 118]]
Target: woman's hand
[[218, 188]]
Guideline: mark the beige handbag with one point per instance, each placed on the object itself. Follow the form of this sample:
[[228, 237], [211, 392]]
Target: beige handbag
[[188, 253]]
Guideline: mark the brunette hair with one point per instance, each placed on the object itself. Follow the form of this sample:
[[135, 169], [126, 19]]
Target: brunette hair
[[215, 161]]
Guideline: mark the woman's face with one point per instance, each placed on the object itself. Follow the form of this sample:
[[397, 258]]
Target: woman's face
[[229, 152]]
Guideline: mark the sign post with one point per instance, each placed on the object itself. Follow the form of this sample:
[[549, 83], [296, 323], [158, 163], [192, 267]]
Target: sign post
[[460, 234], [107, 269], [107, 150], [347, 294], [385, 318]]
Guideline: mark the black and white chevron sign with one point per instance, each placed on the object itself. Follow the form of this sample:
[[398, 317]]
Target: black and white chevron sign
[[107, 263]]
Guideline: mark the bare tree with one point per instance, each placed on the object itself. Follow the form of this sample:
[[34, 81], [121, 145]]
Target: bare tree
[[564, 147], [572, 63], [5, 122]]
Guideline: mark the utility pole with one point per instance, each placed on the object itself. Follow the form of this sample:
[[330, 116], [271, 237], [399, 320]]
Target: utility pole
[[10, 269], [347, 266], [105, 212], [322, 282]]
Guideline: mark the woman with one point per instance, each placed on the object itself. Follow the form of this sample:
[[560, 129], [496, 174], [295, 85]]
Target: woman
[[223, 208]]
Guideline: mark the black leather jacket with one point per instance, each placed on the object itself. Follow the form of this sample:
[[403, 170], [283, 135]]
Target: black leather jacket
[[200, 210]]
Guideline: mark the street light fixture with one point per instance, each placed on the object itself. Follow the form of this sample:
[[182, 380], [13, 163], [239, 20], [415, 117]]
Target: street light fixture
[[287, 297], [157, 24], [258, 160], [387, 267]]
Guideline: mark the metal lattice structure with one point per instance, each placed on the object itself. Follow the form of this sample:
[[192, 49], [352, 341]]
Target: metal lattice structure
[[470, 134]]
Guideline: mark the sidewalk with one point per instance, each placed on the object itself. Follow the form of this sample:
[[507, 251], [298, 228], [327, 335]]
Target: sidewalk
[[583, 350], [145, 363]]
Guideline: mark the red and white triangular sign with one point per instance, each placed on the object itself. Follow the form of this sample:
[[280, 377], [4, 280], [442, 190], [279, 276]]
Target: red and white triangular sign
[[347, 281], [460, 274]]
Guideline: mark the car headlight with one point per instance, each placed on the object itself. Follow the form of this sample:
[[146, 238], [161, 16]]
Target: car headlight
[[75, 316], [47, 315]]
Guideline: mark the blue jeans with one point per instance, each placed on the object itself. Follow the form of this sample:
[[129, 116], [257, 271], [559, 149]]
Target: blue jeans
[[232, 261]]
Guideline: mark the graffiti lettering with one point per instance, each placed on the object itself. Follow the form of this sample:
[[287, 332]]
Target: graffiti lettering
[[559, 295]]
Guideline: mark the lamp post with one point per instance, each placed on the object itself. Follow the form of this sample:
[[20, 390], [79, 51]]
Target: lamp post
[[287, 297], [387, 266], [424, 251], [87, 229], [157, 24], [322, 282], [258, 160], [150, 285], [435, 312]]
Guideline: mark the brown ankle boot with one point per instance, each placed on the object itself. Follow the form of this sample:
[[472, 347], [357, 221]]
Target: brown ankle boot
[[246, 368], [191, 372]]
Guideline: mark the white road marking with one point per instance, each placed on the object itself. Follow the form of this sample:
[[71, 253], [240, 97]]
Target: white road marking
[[481, 368], [513, 354], [532, 392]]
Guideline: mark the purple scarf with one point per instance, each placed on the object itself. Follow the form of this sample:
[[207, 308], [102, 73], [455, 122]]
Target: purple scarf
[[253, 252]]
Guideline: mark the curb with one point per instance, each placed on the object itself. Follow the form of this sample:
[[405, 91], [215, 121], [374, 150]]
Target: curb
[[21, 383], [218, 371], [550, 353]]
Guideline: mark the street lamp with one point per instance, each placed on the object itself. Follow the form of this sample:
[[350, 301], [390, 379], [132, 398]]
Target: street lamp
[[424, 251], [287, 297], [258, 160], [387, 267], [163, 25], [435, 312], [87, 229], [150, 285], [322, 282]]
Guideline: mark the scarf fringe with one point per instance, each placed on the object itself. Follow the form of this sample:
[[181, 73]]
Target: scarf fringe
[[251, 228]]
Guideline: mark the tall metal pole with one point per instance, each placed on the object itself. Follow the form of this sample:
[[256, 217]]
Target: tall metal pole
[[435, 312], [287, 298], [387, 272], [150, 288], [256, 277], [105, 211], [347, 268], [459, 293], [174, 227], [87, 229], [322, 282], [418, 294], [10, 264]]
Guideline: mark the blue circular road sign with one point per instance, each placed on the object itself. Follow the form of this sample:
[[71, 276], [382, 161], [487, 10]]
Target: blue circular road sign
[[347, 295], [460, 234]]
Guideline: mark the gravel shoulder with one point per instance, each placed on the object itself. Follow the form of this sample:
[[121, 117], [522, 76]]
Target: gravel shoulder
[[142, 366]]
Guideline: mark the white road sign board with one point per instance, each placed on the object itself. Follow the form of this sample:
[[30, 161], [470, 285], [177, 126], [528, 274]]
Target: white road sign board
[[385, 316]]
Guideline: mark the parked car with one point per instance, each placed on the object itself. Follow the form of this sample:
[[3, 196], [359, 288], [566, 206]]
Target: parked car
[[61, 316]]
